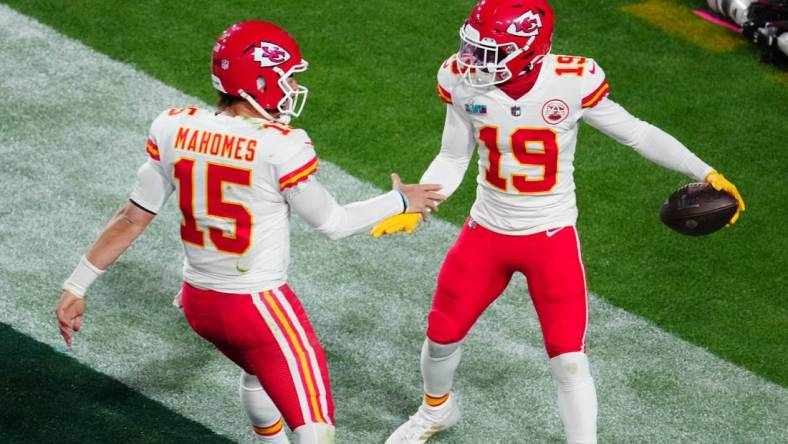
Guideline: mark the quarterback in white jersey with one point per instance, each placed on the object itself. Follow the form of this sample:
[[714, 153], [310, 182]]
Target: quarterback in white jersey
[[214, 160], [521, 106], [237, 173]]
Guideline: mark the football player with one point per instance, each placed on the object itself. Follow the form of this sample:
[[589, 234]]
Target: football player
[[522, 106], [237, 173]]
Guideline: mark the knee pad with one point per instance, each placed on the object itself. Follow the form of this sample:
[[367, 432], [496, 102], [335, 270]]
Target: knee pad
[[570, 369], [259, 407], [438, 364], [314, 433], [438, 351], [249, 382]]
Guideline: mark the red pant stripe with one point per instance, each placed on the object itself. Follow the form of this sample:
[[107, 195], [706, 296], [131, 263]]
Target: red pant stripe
[[314, 362], [287, 351], [298, 340], [270, 339]]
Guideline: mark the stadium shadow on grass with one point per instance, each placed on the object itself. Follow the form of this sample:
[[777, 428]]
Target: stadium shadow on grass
[[47, 397]]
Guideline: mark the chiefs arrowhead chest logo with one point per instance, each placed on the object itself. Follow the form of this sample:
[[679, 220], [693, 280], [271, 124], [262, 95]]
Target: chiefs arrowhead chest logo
[[555, 111], [270, 54], [527, 25]]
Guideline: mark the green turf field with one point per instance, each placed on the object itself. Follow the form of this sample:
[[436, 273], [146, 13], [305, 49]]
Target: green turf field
[[372, 110]]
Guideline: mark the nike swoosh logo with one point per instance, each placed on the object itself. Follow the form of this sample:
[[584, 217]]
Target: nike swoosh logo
[[551, 233], [592, 70]]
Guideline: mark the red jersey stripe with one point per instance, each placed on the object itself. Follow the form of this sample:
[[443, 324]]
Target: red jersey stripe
[[152, 149], [444, 95], [299, 175], [298, 171], [298, 347], [595, 97]]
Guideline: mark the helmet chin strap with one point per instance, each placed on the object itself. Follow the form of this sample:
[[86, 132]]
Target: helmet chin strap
[[266, 115]]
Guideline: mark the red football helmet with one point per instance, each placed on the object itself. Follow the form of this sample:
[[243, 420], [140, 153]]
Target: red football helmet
[[254, 60], [503, 38]]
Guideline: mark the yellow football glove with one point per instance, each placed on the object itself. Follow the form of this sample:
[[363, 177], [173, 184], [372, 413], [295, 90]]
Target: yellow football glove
[[406, 222], [720, 183]]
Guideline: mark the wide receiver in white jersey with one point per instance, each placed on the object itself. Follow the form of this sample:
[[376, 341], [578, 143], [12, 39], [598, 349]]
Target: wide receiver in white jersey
[[521, 106], [237, 173]]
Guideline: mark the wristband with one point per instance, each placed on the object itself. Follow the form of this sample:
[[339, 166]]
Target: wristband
[[82, 277], [404, 201]]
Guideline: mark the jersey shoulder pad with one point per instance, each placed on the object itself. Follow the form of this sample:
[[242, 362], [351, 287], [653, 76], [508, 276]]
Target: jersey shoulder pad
[[176, 115], [595, 87], [448, 78], [293, 157], [167, 120], [284, 144]]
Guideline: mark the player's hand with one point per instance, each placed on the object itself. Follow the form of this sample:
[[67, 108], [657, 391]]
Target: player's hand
[[405, 222], [69, 312], [177, 301], [422, 198], [720, 183]]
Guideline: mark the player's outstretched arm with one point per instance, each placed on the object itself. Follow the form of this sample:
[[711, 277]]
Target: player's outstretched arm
[[658, 146], [124, 227], [319, 209]]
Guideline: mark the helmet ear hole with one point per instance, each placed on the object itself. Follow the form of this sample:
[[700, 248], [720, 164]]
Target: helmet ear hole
[[260, 84]]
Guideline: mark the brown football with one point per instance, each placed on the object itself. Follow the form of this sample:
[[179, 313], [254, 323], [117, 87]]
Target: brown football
[[697, 209]]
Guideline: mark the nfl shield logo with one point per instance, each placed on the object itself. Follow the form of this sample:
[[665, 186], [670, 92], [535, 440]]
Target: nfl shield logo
[[516, 111]]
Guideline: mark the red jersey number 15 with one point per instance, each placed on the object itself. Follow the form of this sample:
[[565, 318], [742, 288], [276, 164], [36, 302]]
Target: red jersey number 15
[[216, 175]]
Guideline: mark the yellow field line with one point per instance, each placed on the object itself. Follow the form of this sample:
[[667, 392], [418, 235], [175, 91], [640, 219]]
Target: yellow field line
[[780, 78], [681, 22]]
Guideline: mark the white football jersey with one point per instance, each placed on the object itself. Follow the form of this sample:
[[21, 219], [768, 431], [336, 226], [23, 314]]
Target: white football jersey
[[229, 174], [526, 146]]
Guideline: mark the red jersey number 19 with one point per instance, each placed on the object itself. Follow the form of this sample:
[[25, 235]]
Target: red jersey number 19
[[521, 138]]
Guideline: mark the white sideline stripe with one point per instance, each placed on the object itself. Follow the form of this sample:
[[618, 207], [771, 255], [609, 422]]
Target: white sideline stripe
[[317, 373], [292, 360], [73, 130]]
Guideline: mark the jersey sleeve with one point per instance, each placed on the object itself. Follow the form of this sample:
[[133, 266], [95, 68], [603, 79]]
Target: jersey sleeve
[[649, 141], [321, 211], [153, 187], [448, 78], [299, 163], [595, 87], [457, 143]]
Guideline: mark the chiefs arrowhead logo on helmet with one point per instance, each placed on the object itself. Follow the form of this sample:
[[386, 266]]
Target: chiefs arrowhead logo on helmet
[[270, 54], [502, 39], [527, 25], [257, 60]]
